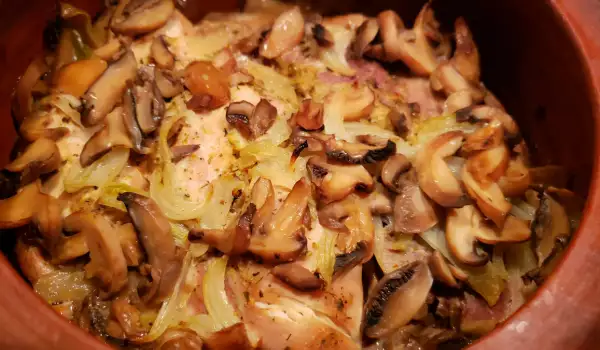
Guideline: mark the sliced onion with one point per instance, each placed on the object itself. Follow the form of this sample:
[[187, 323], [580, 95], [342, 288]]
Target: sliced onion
[[334, 57], [62, 286], [272, 83], [215, 298], [215, 213], [326, 255], [109, 194], [100, 173], [203, 325], [173, 309]]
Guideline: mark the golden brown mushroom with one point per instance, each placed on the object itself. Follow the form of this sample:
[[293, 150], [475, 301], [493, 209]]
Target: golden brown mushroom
[[488, 165], [167, 83], [107, 262], [179, 339], [40, 157], [335, 182], [155, 234], [441, 270], [162, 57], [286, 33], [298, 277], [36, 125], [113, 134], [76, 78], [435, 177], [396, 299], [130, 244], [104, 94], [69, 248], [370, 149], [365, 34], [208, 85], [281, 238], [551, 223], [142, 16], [488, 196]]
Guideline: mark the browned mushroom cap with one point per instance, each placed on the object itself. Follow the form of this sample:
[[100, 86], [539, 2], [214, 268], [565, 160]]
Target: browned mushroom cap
[[298, 276], [310, 115], [551, 223], [75, 78], [231, 241], [130, 244], [113, 134], [335, 182], [346, 261], [488, 197], [104, 94], [208, 85], [286, 33], [484, 138], [489, 165], [365, 34], [179, 339], [441, 270], [107, 262], [281, 239], [32, 261], [322, 36], [40, 157], [167, 83], [410, 46], [231, 338], [435, 177], [371, 149], [30, 205], [162, 57], [36, 125], [466, 55], [490, 114], [446, 78], [130, 122], [396, 299], [462, 226], [69, 248], [413, 211], [352, 216], [142, 16], [392, 169], [251, 121], [149, 104], [155, 234]]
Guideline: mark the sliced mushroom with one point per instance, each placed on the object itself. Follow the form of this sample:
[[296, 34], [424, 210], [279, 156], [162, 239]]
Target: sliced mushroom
[[410, 46], [76, 78], [179, 339], [435, 177], [281, 238], [36, 125], [392, 169], [231, 241], [396, 299], [180, 152], [379, 203], [149, 108], [371, 150], [32, 261], [104, 94], [251, 121], [113, 134], [516, 179], [208, 85], [489, 165], [297, 276], [447, 78], [493, 114], [352, 216], [69, 248], [413, 211], [365, 35], [155, 234], [40, 157], [231, 338], [262, 118], [163, 58], [323, 37], [107, 262], [466, 55], [168, 85], [441, 270], [130, 122], [484, 138], [550, 224], [346, 261], [335, 182], [457, 101], [130, 244], [310, 115], [488, 197], [287, 32], [142, 16]]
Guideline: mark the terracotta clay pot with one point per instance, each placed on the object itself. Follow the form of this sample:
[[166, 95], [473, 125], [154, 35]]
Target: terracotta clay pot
[[542, 59]]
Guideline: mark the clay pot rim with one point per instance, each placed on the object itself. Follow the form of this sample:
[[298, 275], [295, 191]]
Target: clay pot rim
[[572, 15]]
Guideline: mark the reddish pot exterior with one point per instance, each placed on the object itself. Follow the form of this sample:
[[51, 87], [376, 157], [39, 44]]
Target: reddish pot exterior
[[563, 128]]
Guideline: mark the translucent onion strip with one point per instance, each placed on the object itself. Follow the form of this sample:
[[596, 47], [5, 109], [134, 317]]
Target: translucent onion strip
[[100, 173], [215, 298]]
